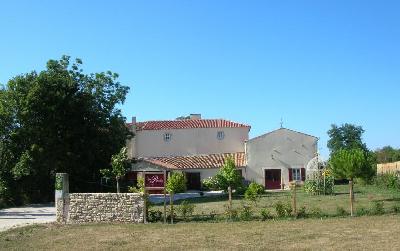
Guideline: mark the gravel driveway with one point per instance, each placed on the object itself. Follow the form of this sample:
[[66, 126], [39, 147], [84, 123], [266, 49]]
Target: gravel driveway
[[19, 216]]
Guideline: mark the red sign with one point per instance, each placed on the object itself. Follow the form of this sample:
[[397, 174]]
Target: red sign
[[154, 180]]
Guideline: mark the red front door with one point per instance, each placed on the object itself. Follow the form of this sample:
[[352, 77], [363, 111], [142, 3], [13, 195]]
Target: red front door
[[273, 178]]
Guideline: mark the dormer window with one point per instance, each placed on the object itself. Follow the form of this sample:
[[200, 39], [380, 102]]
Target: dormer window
[[167, 137], [220, 135]]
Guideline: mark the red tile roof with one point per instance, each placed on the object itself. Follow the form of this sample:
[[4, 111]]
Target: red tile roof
[[198, 161], [185, 124]]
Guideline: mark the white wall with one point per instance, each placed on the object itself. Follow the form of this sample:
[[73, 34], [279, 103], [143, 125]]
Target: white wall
[[280, 149], [186, 142]]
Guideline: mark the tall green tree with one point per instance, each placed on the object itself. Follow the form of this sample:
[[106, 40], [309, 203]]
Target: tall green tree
[[119, 167], [58, 120], [346, 136], [350, 164]]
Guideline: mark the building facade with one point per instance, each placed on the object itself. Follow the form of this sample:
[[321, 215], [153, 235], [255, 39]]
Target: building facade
[[278, 157], [196, 146]]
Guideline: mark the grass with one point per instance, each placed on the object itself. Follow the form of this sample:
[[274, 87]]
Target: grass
[[365, 197], [358, 233]]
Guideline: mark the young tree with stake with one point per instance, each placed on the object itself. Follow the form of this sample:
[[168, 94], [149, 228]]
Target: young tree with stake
[[119, 163], [176, 183], [350, 164]]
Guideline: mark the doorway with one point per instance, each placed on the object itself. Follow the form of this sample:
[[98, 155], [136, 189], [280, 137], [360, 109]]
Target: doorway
[[273, 179]]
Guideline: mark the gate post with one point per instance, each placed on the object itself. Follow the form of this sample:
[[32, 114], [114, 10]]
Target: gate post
[[61, 192]]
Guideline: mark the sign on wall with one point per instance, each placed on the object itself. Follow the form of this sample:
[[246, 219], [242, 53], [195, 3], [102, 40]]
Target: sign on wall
[[154, 180]]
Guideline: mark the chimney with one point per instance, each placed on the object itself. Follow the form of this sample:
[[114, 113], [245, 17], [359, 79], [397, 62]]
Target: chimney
[[134, 120], [195, 116]]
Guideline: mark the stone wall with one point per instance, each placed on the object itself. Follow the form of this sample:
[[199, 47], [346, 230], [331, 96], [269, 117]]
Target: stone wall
[[100, 207]]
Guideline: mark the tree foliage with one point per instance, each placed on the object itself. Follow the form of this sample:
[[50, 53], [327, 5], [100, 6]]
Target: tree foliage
[[346, 136], [176, 183], [58, 120], [387, 154], [119, 165], [350, 164]]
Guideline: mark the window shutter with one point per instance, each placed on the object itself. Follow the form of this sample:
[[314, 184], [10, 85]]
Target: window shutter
[[303, 174], [290, 174]]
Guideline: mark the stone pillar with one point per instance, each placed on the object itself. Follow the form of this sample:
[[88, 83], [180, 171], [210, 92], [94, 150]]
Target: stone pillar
[[61, 194]]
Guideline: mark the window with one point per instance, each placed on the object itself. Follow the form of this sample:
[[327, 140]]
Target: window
[[220, 135], [296, 174], [167, 137]]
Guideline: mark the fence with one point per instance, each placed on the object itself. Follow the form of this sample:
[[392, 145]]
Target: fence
[[393, 167]]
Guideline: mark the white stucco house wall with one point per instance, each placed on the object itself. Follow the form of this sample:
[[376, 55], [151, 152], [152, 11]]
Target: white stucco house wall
[[196, 146], [278, 157]]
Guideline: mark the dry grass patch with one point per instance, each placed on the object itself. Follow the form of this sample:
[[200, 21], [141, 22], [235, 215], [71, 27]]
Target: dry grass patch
[[360, 233]]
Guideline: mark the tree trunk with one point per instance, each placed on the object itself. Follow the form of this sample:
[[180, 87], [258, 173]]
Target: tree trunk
[[146, 209], [117, 184], [230, 197], [171, 203], [294, 199], [351, 197]]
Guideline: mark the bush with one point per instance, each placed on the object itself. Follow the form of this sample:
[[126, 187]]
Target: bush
[[362, 211], [396, 209], [302, 213], [378, 208], [210, 184], [231, 213], [154, 215], [316, 186], [246, 213], [254, 191], [316, 212], [388, 180], [265, 214], [186, 209], [241, 189], [283, 210], [340, 211]]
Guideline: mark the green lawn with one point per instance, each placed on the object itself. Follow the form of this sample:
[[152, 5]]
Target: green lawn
[[357, 233], [365, 196]]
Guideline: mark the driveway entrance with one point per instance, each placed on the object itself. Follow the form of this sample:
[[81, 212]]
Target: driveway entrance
[[32, 214]]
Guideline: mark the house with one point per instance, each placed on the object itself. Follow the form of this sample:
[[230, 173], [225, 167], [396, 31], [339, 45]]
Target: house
[[196, 146], [278, 157], [199, 147]]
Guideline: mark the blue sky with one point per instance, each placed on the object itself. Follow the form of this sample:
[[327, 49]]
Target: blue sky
[[312, 63]]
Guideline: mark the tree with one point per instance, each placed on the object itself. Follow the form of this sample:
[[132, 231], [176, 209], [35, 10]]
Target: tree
[[176, 183], [350, 164], [58, 120], [119, 165], [346, 136], [228, 178], [387, 154]]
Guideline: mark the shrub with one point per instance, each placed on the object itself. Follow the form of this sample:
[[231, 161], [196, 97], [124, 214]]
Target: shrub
[[186, 209], [154, 215], [265, 214], [254, 191], [212, 215], [362, 211], [231, 213], [316, 212], [283, 210], [340, 211], [378, 208], [302, 213], [316, 186], [396, 209], [388, 180], [246, 213], [211, 184]]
